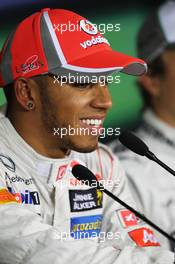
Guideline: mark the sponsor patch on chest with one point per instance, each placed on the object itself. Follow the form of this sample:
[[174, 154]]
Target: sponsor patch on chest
[[85, 226], [144, 237], [128, 218], [26, 196], [83, 200]]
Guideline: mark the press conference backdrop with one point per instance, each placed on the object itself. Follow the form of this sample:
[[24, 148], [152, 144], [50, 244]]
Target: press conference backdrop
[[127, 102]]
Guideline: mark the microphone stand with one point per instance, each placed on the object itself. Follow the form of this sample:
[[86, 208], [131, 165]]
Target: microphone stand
[[153, 157]]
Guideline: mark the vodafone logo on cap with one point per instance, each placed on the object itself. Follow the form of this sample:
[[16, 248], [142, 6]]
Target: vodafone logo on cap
[[88, 27]]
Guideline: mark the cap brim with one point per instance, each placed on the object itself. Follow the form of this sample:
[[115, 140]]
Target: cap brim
[[107, 60], [104, 62]]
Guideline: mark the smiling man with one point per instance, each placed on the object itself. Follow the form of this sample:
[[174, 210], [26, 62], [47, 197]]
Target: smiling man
[[45, 103], [47, 216]]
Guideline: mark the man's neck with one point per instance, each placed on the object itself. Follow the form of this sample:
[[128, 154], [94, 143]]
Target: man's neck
[[40, 141]]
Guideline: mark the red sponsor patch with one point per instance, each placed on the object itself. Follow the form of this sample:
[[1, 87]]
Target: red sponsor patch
[[61, 172], [6, 197], [144, 237], [128, 218], [75, 182]]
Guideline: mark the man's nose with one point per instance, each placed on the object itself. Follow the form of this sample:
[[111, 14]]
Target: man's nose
[[102, 98]]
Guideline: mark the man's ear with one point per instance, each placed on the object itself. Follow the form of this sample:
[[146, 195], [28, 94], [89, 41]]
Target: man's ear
[[25, 93], [150, 84]]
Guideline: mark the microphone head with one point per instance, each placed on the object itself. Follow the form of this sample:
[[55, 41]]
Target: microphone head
[[134, 143], [83, 174]]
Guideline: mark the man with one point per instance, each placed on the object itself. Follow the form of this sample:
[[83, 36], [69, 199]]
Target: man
[[152, 186], [46, 214]]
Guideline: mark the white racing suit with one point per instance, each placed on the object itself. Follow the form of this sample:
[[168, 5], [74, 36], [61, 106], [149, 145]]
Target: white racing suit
[[153, 188], [47, 216]]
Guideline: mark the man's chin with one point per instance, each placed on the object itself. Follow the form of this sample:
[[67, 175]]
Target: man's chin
[[84, 148]]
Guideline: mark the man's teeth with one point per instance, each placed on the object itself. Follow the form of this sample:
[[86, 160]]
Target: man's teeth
[[96, 122]]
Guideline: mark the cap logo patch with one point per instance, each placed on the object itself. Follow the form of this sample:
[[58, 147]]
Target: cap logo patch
[[88, 27], [32, 63]]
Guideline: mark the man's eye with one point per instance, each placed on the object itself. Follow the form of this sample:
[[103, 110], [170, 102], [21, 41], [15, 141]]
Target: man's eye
[[89, 85], [83, 85]]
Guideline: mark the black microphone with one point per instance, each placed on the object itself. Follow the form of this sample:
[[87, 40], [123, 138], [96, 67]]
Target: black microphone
[[136, 145], [83, 174]]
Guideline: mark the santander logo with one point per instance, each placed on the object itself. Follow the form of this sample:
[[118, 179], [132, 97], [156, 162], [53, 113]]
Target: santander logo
[[88, 27]]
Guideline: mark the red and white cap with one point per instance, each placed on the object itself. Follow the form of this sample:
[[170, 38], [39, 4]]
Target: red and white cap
[[59, 42]]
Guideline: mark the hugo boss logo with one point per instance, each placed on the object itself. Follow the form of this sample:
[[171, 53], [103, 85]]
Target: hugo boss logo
[[83, 200]]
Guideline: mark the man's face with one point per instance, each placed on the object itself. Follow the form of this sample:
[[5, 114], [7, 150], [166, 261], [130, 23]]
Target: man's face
[[74, 113]]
